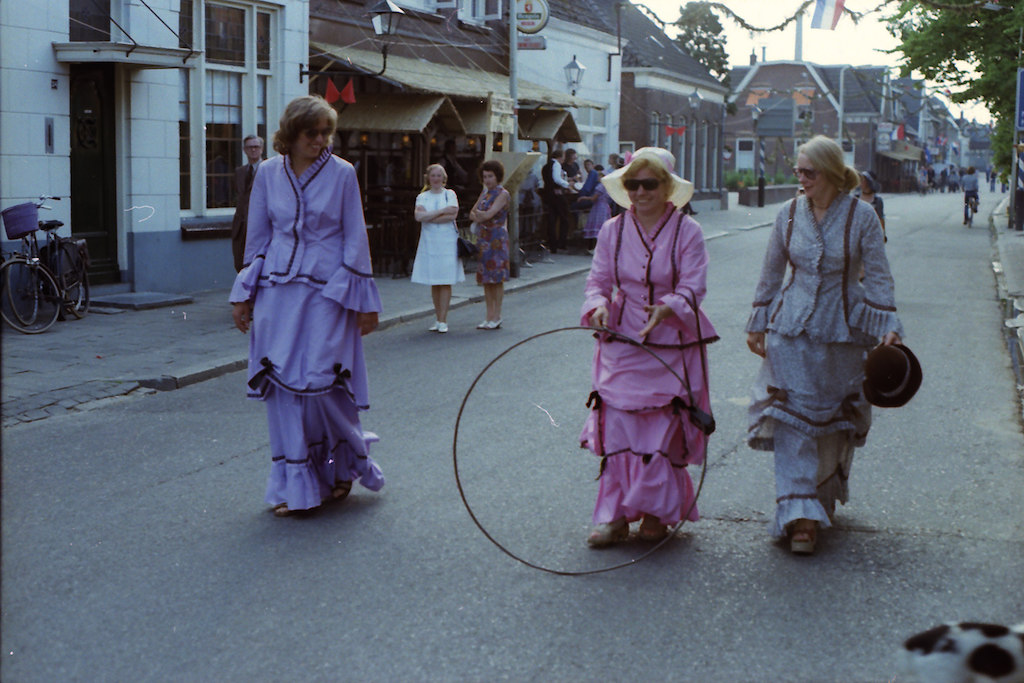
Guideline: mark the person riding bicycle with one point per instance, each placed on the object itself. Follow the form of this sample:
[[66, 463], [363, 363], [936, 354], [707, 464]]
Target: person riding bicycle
[[969, 181]]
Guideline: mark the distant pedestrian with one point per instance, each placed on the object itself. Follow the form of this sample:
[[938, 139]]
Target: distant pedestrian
[[813, 333], [490, 213], [252, 145], [437, 263], [308, 293], [599, 204], [868, 192], [647, 281]]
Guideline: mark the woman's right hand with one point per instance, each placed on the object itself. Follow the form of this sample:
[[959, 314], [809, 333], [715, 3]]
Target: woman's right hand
[[755, 342], [242, 313], [599, 317]]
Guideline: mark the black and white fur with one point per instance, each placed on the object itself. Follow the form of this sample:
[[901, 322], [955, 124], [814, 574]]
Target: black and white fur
[[967, 652]]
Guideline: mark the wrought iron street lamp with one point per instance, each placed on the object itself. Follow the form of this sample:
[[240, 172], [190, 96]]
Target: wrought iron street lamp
[[385, 19], [574, 74]]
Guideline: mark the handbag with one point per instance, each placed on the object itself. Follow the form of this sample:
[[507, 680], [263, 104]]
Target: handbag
[[466, 249]]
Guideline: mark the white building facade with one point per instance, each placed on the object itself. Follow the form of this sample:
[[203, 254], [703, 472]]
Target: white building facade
[[597, 51], [135, 114]]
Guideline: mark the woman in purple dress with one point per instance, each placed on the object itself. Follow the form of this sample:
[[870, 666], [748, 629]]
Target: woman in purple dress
[[646, 282], [307, 293], [600, 211], [490, 213]]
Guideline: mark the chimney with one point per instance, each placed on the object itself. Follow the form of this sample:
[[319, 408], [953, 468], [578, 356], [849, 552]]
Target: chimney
[[753, 57]]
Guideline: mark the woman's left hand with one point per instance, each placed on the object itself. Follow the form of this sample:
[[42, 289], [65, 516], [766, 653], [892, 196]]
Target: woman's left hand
[[891, 338], [658, 312], [367, 323]]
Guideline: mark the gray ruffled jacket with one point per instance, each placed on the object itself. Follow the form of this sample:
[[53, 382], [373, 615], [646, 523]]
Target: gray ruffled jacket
[[823, 297]]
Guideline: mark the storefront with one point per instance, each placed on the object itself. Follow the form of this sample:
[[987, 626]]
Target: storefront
[[420, 112]]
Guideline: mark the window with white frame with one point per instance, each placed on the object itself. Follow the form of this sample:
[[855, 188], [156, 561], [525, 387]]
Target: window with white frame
[[225, 98], [480, 10]]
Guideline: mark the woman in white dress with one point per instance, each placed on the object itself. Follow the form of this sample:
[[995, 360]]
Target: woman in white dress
[[437, 263]]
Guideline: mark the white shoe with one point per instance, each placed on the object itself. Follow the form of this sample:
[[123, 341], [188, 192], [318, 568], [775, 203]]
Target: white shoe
[[485, 325], [435, 327], [495, 324], [442, 328]]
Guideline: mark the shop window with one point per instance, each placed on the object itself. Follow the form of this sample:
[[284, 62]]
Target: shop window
[[480, 10]]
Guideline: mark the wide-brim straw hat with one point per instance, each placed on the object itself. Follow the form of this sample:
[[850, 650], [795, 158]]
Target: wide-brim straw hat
[[892, 375], [680, 194]]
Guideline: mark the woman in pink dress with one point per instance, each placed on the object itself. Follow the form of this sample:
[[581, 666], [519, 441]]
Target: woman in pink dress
[[647, 281]]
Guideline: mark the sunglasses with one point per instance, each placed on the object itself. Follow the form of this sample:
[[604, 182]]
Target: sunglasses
[[312, 133], [634, 184], [809, 172]]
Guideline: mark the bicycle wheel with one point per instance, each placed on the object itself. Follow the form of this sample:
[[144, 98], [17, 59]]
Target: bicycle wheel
[[74, 280], [31, 298]]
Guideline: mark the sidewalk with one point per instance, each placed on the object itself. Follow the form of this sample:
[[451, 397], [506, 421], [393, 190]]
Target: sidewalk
[[1008, 264], [111, 354]]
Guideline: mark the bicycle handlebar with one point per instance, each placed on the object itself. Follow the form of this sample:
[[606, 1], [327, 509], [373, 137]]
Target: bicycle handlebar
[[41, 204]]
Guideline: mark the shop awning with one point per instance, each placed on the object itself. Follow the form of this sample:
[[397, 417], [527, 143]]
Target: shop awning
[[445, 79], [547, 124], [474, 116], [375, 112]]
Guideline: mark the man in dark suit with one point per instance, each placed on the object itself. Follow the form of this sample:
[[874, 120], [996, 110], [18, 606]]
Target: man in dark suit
[[556, 203], [253, 146]]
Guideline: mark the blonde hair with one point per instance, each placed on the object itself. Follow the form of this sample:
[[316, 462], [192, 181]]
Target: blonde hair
[[658, 169], [301, 114], [426, 176], [827, 157]]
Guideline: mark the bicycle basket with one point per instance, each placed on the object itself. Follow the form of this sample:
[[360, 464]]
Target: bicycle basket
[[20, 220]]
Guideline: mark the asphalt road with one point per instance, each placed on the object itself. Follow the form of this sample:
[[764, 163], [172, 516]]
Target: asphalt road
[[136, 545]]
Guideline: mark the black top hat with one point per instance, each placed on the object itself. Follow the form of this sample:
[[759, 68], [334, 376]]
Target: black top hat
[[892, 375]]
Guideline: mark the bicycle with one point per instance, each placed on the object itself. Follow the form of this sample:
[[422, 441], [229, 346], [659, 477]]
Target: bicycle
[[39, 286], [970, 208]]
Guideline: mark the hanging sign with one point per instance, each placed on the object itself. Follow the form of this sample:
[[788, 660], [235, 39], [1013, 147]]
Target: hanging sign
[[532, 43], [531, 15]]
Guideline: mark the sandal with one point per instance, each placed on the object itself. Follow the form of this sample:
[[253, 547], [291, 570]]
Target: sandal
[[281, 510], [341, 490], [802, 540], [652, 530], [610, 533]]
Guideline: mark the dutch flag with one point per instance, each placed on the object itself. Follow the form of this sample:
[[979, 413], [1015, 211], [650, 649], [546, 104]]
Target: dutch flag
[[827, 13]]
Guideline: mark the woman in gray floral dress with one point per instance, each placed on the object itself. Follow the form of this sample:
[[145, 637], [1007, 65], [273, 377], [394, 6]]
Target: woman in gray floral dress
[[813, 331]]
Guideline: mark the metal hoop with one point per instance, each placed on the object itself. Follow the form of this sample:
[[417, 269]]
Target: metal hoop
[[469, 509]]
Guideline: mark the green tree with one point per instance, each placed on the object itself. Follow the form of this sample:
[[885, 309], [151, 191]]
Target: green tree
[[701, 36], [962, 45]]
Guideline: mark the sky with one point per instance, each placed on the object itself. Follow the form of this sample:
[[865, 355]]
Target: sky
[[858, 44]]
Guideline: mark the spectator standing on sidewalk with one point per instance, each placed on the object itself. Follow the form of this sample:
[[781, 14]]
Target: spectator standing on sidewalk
[[648, 277], [808, 404], [308, 294], [491, 213], [437, 263], [554, 195], [252, 145]]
